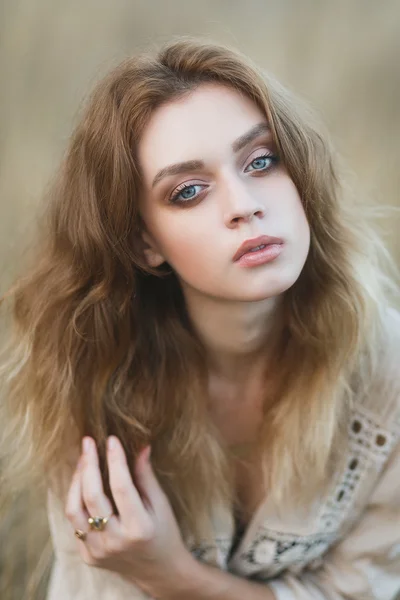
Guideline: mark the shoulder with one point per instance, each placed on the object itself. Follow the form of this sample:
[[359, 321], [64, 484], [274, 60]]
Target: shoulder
[[379, 381], [375, 414], [391, 339]]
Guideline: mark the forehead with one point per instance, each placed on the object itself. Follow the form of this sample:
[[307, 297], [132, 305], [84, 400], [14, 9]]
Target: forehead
[[199, 125]]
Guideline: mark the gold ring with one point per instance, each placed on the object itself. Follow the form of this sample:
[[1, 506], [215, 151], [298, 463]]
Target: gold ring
[[81, 535], [97, 523]]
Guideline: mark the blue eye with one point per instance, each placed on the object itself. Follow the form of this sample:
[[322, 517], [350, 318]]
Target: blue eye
[[181, 195], [185, 194], [270, 159]]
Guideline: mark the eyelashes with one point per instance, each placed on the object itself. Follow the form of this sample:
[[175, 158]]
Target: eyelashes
[[176, 197]]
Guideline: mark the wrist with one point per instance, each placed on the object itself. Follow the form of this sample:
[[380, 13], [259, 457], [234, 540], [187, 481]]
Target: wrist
[[185, 581], [177, 582], [199, 580]]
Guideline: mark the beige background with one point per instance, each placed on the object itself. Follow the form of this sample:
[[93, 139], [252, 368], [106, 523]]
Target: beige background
[[343, 56]]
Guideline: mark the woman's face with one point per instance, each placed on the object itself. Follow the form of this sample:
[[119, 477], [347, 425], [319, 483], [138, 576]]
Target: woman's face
[[233, 189]]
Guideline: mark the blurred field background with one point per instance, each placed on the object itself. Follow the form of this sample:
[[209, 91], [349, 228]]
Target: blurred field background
[[342, 56]]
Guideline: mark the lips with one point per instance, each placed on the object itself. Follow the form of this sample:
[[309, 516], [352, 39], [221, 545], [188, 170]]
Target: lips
[[249, 245]]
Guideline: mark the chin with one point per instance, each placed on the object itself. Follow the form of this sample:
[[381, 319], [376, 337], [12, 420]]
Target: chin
[[268, 289], [260, 297]]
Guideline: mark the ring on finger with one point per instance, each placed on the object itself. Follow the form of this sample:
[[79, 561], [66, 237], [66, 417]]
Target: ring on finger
[[81, 535], [98, 523]]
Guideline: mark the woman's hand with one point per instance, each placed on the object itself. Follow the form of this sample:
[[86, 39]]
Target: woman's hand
[[143, 543]]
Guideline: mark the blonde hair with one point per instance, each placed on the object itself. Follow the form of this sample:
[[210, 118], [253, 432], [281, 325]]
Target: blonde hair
[[102, 344]]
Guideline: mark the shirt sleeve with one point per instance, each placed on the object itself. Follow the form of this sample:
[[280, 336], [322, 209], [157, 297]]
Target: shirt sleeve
[[365, 565], [71, 578]]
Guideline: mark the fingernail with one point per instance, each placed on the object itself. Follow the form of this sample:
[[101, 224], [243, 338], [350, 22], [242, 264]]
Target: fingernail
[[111, 443], [86, 445]]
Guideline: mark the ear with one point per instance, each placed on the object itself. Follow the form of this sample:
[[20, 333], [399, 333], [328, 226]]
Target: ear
[[152, 253]]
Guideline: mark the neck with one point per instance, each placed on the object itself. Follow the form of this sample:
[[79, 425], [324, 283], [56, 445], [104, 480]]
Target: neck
[[236, 335]]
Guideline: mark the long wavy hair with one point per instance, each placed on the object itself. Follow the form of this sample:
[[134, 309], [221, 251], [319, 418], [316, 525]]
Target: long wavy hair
[[101, 344]]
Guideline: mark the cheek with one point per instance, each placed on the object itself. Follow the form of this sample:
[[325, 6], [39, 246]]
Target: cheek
[[301, 233], [182, 241], [299, 216], [293, 207], [292, 217], [300, 229], [302, 220]]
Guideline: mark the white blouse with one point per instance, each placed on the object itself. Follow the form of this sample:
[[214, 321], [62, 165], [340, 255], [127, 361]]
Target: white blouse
[[345, 546]]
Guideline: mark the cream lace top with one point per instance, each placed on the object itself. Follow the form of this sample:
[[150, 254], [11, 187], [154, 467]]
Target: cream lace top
[[345, 546]]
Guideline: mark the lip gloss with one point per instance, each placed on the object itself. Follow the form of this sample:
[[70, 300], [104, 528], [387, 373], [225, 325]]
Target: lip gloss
[[260, 257]]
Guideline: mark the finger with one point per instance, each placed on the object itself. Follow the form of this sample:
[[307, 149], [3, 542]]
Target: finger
[[126, 496], [94, 498], [147, 481], [78, 516], [74, 508]]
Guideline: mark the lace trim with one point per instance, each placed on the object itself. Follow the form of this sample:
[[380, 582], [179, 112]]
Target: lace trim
[[369, 448], [275, 551], [272, 551]]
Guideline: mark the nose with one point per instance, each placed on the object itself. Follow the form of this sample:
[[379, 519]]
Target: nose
[[240, 205]]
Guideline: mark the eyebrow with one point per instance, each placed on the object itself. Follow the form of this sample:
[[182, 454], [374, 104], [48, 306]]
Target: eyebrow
[[193, 165]]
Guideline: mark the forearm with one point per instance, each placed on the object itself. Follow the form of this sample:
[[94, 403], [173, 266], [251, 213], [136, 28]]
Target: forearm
[[203, 582]]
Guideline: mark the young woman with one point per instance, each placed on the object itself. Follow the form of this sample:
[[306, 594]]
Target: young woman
[[206, 326]]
